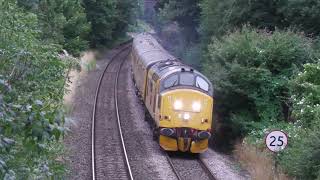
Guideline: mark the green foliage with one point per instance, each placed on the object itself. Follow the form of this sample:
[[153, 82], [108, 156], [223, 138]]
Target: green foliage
[[251, 72], [220, 17], [140, 27], [32, 81], [215, 17], [302, 14], [76, 29], [109, 19], [307, 96], [186, 13], [301, 159], [57, 21], [51, 20]]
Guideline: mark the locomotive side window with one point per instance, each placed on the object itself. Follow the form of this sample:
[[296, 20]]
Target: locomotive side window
[[171, 81], [186, 79], [151, 85], [201, 83]]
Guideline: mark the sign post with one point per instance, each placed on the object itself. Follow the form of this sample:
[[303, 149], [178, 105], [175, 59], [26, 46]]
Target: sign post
[[276, 141]]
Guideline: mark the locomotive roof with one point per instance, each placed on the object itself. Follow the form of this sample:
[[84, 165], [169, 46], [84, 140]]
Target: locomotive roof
[[149, 49], [164, 68]]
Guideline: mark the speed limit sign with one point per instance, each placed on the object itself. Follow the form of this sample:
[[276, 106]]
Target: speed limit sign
[[276, 141]]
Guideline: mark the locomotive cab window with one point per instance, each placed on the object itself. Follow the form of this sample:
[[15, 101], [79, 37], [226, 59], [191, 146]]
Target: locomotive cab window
[[171, 81], [202, 84], [186, 79]]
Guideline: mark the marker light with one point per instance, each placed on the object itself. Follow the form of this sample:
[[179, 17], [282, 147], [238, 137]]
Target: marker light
[[186, 116], [177, 105], [196, 106]]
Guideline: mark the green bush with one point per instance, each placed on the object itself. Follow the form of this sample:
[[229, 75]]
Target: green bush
[[32, 82], [220, 17], [57, 20], [109, 19], [250, 72], [302, 158], [306, 88]]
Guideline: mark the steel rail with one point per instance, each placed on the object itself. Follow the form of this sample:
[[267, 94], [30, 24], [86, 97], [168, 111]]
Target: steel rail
[[172, 167], [119, 122], [203, 165], [206, 169], [93, 162]]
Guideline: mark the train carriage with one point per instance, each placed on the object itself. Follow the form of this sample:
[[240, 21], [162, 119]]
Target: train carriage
[[178, 98]]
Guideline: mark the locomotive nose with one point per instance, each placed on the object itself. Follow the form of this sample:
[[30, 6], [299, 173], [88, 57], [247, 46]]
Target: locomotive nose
[[186, 108], [185, 120]]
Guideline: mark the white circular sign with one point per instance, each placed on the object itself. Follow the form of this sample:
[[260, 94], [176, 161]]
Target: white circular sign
[[276, 141]]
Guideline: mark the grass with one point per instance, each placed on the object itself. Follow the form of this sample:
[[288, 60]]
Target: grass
[[259, 162], [91, 65], [88, 61]]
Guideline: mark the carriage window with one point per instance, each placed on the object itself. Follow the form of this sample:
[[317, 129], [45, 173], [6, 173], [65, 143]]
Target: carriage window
[[187, 79], [201, 83], [171, 81]]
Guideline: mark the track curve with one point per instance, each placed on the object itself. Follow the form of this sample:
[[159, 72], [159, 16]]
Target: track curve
[[107, 161]]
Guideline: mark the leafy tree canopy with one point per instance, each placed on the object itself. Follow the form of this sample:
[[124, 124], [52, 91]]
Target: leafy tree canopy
[[251, 71]]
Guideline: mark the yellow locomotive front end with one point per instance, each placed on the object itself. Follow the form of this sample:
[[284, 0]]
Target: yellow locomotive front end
[[185, 117]]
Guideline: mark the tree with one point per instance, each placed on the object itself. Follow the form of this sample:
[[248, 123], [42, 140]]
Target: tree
[[109, 19], [251, 70], [220, 17], [101, 14], [32, 81], [76, 39], [186, 13], [58, 19], [302, 14]]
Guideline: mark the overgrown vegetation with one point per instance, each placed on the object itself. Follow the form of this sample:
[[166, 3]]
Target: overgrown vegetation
[[109, 19], [263, 59], [252, 72], [33, 76]]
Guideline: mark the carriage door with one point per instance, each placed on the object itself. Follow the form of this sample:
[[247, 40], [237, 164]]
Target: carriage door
[[149, 96]]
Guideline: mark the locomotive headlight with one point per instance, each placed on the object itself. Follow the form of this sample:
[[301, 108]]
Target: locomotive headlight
[[177, 105], [186, 116], [196, 106]]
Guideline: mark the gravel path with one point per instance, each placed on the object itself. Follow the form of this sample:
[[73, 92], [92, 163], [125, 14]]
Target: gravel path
[[223, 167]]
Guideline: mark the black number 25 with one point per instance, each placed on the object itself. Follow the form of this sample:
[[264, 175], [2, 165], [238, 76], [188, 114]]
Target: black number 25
[[279, 140]]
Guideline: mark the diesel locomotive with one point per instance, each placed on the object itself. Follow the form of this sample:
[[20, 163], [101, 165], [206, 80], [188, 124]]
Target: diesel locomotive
[[178, 98]]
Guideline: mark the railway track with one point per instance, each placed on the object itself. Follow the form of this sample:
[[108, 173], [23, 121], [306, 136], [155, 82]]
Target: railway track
[[206, 169], [107, 161], [108, 151], [177, 164]]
